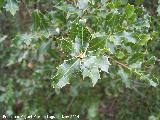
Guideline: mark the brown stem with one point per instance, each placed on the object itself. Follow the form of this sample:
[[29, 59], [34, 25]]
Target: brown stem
[[121, 64]]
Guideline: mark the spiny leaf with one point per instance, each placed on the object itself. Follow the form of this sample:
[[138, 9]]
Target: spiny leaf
[[63, 81], [76, 47], [103, 63], [11, 6], [94, 74], [91, 65], [64, 72], [80, 31]]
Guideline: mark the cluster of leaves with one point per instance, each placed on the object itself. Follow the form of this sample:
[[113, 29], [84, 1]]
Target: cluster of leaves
[[75, 42], [110, 31]]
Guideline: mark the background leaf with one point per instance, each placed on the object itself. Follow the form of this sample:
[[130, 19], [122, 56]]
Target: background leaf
[[11, 6]]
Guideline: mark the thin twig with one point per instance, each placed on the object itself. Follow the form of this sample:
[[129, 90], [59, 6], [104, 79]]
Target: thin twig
[[70, 104], [121, 64]]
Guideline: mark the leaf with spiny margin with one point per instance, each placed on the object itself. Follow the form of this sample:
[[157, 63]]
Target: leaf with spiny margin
[[150, 79], [98, 40], [1, 3], [64, 73], [103, 63], [89, 61], [129, 10], [151, 61], [66, 45], [80, 31], [94, 74], [63, 81], [76, 47], [91, 65], [11, 6], [77, 41], [144, 38]]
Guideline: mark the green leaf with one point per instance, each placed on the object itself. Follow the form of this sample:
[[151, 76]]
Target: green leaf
[[82, 4], [44, 47], [39, 20], [3, 38], [103, 1], [66, 45], [85, 72], [26, 38], [129, 10], [89, 61], [76, 47], [1, 3], [64, 73], [98, 34], [129, 37], [158, 10], [138, 2], [77, 41], [94, 75], [124, 77], [136, 65], [143, 38], [98, 40], [91, 65], [151, 60], [150, 79], [120, 55], [152, 83], [93, 110], [81, 31], [103, 63], [11, 6], [136, 57], [111, 47], [63, 81]]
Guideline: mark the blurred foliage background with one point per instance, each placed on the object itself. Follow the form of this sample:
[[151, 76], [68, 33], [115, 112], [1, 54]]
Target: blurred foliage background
[[26, 70]]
